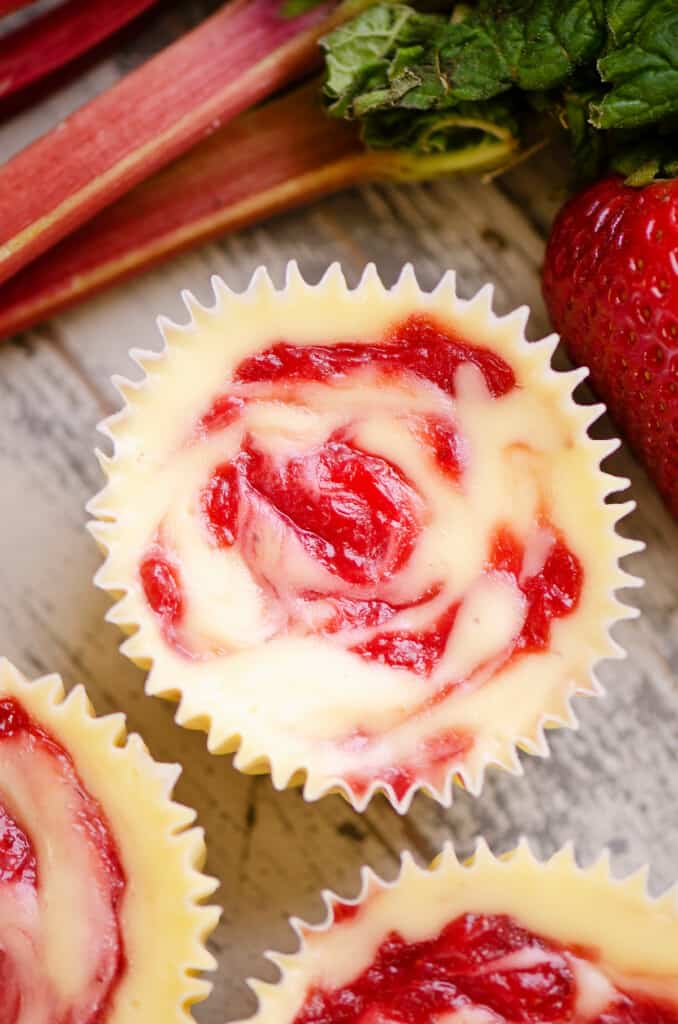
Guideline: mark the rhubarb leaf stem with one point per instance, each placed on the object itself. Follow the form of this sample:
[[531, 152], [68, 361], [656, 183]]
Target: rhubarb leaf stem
[[404, 165]]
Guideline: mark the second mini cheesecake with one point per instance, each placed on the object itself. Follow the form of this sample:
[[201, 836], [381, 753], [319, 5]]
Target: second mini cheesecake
[[361, 534], [101, 894]]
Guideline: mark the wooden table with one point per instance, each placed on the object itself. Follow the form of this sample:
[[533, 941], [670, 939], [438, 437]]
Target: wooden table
[[614, 782]]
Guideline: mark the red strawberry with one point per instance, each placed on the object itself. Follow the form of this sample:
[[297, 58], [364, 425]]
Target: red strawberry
[[611, 287]]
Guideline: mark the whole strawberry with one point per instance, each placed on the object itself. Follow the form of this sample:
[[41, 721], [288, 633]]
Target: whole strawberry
[[611, 287]]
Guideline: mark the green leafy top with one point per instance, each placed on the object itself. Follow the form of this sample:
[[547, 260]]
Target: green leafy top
[[292, 8], [391, 54], [608, 70], [640, 65]]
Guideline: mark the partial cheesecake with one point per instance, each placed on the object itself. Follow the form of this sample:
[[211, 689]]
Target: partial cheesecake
[[101, 915], [362, 534], [510, 941]]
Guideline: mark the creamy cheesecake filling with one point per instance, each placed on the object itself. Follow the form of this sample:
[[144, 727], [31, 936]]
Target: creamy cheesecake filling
[[486, 969], [61, 885], [385, 505], [313, 499]]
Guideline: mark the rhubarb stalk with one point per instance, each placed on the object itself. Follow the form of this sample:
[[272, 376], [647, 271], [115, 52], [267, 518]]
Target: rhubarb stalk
[[279, 156], [59, 37], [9, 6], [237, 57]]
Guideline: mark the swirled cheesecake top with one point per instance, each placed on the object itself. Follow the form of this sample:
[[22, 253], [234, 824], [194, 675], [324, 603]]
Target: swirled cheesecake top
[[363, 534]]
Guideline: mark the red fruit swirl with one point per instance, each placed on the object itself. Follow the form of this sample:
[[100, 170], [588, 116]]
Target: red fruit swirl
[[418, 347], [328, 528], [351, 511], [22, 739], [483, 961]]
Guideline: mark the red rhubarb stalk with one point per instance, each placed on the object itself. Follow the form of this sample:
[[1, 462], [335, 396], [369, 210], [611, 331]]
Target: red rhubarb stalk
[[9, 6], [237, 57], [268, 160], [279, 156], [50, 42]]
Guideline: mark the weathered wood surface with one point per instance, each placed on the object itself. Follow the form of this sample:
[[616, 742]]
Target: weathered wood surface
[[614, 782]]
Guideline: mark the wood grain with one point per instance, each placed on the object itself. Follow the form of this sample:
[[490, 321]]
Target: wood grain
[[614, 782]]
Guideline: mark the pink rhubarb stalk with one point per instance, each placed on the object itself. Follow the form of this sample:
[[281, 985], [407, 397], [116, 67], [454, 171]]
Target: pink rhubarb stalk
[[279, 156], [237, 57], [9, 6], [59, 37], [270, 159]]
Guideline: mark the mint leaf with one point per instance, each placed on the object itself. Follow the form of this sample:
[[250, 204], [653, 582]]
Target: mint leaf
[[534, 44], [392, 56], [641, 65], [368, 55], [473, 76], [624, 18]]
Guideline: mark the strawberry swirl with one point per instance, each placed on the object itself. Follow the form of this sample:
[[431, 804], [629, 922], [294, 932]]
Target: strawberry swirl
[[377, 501], [61, 885], [483, 969]]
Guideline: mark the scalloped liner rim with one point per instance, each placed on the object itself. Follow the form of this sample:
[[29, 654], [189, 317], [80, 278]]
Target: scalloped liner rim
[[635, 883], [534, 744], [72, 713]]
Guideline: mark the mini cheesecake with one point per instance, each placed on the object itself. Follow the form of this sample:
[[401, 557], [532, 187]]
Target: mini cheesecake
[[362, 534], [101, 919], [510, 941]]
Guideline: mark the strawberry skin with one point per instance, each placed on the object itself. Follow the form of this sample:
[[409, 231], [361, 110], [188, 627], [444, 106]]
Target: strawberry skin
[[611, 287]]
